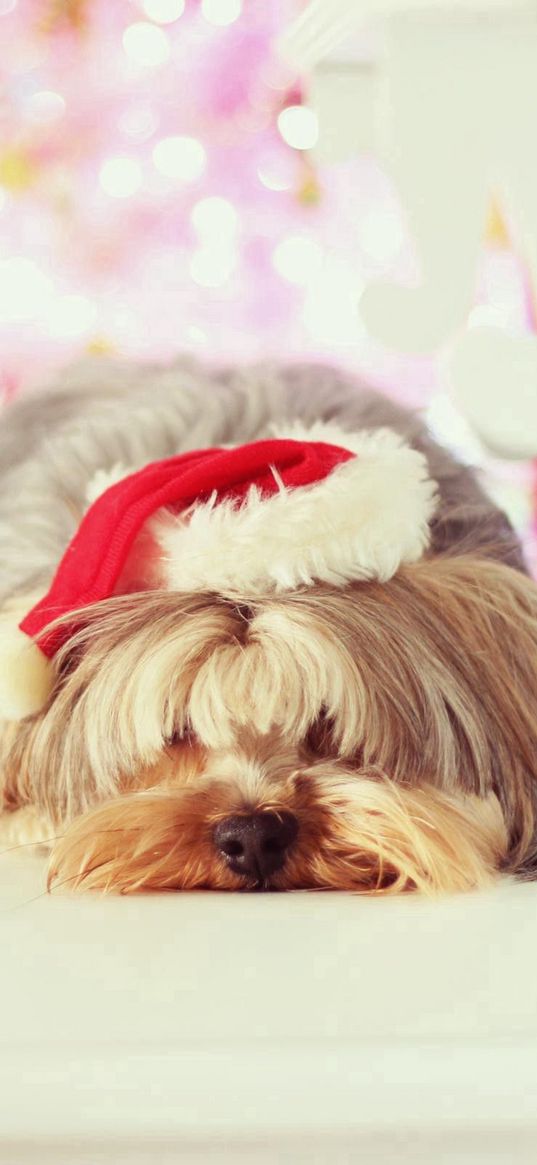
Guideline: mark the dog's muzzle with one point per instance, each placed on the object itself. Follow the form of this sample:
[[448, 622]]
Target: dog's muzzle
[[256, 844]]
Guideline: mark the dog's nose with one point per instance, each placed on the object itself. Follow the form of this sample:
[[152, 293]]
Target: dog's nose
[[256, 844]]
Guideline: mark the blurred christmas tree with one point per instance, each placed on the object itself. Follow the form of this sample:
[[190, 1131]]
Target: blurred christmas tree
[[144, 179], [158, 193]]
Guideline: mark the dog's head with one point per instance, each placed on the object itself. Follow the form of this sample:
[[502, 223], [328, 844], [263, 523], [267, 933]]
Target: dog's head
[[372, 737], [283, 690]]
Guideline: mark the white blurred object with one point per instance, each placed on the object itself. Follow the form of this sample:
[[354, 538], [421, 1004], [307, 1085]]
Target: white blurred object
[[146, 45], [164, 11], [445, 94], [180, 158], [298, 258], [299, 127], [221, 12], [326, 25], [502, 412], [25, 289], [213, 217]]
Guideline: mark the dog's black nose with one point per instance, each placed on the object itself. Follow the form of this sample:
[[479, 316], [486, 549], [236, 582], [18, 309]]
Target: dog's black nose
[[256, 844]]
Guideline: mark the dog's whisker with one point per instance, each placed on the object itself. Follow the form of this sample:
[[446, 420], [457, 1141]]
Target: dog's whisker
[[31, 844]]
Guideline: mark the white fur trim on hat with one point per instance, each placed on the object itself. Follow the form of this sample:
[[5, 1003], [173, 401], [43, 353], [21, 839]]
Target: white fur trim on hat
[[25, 672], [370, 515]]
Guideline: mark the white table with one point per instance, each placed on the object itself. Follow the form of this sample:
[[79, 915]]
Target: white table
[[292, 1028]]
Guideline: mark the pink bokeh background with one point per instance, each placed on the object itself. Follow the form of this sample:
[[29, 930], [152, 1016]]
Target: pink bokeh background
[[99, 235], [154, 199]]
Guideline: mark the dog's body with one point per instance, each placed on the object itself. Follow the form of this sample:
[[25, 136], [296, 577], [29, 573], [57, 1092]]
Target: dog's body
[[383, 730]]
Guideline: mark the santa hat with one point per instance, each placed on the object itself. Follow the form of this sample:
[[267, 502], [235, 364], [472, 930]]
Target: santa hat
[[271, 516]]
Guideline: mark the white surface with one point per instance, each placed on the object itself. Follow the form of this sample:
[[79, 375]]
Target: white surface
[[264, 1028]]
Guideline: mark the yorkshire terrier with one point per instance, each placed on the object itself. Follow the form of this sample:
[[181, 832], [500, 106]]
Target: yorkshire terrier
[[258, 631]]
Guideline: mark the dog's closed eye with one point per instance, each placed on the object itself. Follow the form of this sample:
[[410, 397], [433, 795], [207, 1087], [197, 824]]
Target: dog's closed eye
[[181, 736], [320, 738]]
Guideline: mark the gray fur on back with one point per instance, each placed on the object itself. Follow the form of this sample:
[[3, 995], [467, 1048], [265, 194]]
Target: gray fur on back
[[104, 411]]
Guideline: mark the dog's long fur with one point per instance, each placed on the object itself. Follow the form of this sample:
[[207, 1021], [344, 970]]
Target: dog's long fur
[[394, 720]]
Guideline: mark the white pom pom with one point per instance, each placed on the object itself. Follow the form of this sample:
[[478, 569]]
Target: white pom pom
[[25, 673]]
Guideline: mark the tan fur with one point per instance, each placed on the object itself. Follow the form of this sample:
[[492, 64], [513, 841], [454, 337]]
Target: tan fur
[[395, 720], [358, 833]]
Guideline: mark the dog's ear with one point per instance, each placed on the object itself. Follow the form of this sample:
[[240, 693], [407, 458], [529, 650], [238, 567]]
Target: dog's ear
[[473, 622], [433, 678], [474, 527]]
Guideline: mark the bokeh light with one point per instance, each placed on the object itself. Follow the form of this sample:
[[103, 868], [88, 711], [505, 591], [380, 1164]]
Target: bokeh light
[[164, 11], [25, 289], [71, 317], [214, 217], [299, 127], [45, 106], [146, 45], [181, 158], [221, 12], [298, 258]]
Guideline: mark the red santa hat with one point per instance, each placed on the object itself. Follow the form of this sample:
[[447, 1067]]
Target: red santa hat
[[262, 518]]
